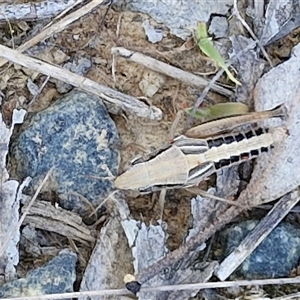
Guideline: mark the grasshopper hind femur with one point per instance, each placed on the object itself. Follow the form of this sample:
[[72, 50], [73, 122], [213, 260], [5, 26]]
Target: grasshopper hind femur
[[253, 151]]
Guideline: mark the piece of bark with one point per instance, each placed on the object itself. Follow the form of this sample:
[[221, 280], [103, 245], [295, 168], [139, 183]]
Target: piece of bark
[[10, 203], [278, 15], [111, 259], [33, 11], [43, 215], [280, 85]]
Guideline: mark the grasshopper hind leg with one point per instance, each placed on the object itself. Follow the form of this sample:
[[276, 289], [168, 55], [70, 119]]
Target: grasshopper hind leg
[[199, 173]]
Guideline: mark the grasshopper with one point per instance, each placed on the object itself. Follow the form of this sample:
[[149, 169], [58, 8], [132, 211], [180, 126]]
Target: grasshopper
[[188, 161]]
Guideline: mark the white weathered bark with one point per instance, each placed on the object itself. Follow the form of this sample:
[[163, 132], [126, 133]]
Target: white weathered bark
[[33, 11]]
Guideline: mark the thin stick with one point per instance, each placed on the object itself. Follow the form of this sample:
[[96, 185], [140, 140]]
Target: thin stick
[[65, 11], [26, 211], [161, 201], [208, 195], [109, 4], [256, 236], [179, 287], [167, 69], [125, 102], [175, 124], [237, 13], [109, 197]]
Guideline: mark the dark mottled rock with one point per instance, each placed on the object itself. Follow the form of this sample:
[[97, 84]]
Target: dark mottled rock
[[57, 276], [76, 136], [275, 257]]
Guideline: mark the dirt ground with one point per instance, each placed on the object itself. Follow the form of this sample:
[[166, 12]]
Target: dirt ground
[[136, 135], [96, 38]]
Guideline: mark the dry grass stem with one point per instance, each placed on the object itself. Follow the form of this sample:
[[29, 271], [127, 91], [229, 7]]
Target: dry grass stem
[[179, 287], [208, 195]]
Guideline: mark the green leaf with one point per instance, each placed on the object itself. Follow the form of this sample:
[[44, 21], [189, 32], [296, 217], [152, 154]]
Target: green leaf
[[219, 111]]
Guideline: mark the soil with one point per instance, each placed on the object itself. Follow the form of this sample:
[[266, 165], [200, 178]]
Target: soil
[[93, 37]]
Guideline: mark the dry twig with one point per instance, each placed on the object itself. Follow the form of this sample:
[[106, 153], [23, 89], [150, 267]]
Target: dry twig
[[167, 69], [45, 216], [125, 102]]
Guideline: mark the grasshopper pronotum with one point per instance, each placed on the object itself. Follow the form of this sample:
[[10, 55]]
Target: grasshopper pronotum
[[188, 161]]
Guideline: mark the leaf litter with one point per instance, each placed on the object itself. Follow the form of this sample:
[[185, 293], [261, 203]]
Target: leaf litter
[[134, 132], [10, 205]]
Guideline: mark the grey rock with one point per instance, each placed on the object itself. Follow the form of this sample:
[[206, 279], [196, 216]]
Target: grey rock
[[275, 257], [76, 136], [179, 16], [219, 27], [57, 276]]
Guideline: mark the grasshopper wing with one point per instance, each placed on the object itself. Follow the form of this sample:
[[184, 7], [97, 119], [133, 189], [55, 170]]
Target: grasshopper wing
[[169, 168]]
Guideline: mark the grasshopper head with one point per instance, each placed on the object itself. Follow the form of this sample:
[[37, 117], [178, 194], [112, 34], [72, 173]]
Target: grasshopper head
[[133, 179]]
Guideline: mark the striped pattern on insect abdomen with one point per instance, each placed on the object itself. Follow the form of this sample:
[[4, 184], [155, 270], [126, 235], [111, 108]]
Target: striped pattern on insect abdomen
[[188, 161], [231, 149]]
